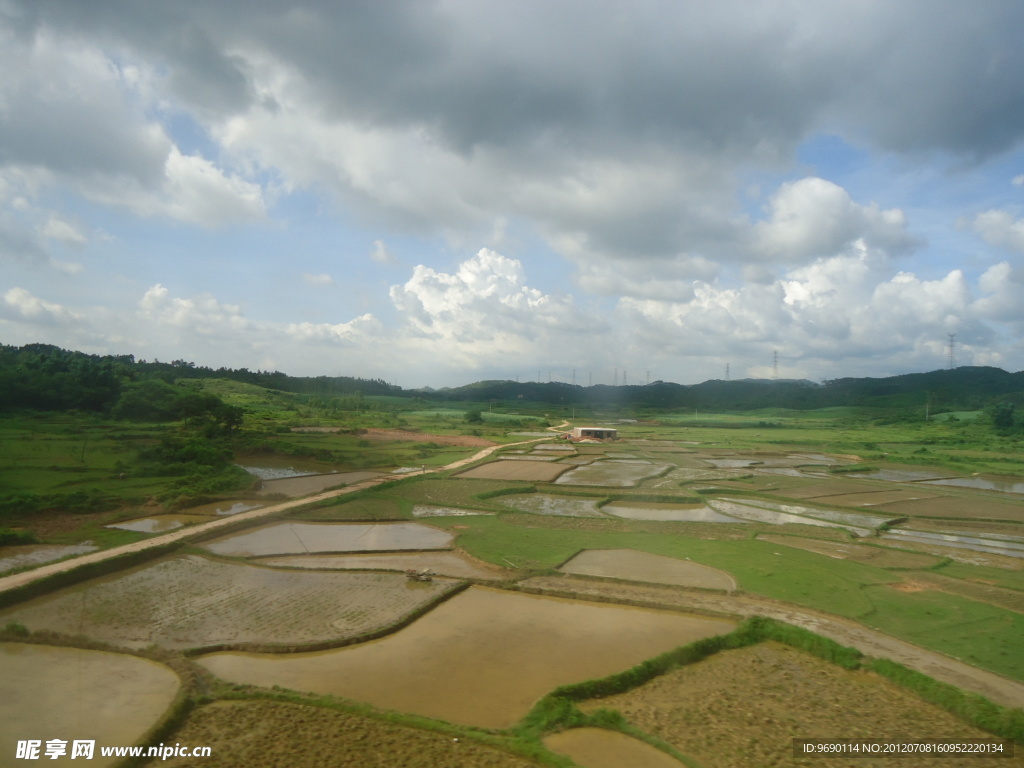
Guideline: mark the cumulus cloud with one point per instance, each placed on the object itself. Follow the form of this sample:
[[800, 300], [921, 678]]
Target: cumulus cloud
[[22, 304], [483, 313], [999, 228], [381, 254], [812, 217]]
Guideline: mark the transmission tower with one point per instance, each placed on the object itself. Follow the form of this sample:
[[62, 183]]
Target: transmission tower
[[775, 364], [952, 350], [726, 371], [616, 377]]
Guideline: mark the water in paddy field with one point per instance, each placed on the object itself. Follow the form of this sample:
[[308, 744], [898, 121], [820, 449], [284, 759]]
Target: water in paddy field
[[158, 523], [981, 483], [26, 555], [68, 693], [990, 546], [548, 504], [442, 563], [643, 510], [616, 472], [309, 538], [482, 658]]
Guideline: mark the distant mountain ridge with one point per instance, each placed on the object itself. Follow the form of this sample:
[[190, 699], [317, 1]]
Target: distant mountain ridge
[[46, 377]]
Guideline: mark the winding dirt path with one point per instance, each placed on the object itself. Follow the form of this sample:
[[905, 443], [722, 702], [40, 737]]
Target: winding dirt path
[[871, 642], [27, 577]]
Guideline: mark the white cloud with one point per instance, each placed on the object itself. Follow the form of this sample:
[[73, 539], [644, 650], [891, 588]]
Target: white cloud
[[321, 280], [381, 254], [812, 217], [1000, 229], [1018, 181], [22, 304], [56, 228]]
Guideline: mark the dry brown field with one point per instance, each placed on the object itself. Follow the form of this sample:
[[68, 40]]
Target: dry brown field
[[742, 708], [270, 734]]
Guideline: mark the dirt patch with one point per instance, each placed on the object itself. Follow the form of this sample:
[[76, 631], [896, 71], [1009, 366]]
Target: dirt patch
[[423, 437], [631, 565], [878, 556], [742, 708], [910, 586], [273, 734]]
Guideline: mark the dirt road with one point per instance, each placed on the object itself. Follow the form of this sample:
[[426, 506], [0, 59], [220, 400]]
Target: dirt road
[[27, 577], [998, 689]]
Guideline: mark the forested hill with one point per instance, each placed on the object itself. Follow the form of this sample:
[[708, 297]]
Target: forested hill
[[966, 388], [44, 377]]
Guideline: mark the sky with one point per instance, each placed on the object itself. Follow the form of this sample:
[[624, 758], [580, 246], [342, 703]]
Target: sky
[[438, 192]]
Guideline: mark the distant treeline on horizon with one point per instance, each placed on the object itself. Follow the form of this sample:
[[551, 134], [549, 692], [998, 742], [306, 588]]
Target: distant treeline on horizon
[[45, 377]]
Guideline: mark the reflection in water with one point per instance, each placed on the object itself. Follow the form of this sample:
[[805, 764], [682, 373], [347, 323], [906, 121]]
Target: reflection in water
[[693, 513], [482, 658], [158, 523], [982, 483], [69, 693]]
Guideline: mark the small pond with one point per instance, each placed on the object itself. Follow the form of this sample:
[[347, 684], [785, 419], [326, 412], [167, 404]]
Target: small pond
[[68, 693], [482, 658], [310, 538]]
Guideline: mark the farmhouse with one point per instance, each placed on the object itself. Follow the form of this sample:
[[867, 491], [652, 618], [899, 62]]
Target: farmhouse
[[599, 433]]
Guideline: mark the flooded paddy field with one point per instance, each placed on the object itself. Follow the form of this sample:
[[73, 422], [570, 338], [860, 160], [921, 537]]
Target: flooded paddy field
[[976, 543], [191, 601], [858, 519], [271, 733], [304, 485], [159, 523], [621, 473], [505, 469], [754, 512], [999, 484], [454, 564], [631, 565], [655, 510], [69, 693], [958, 506], [551, 504], [426, 510], [743, 707], [221, 508], [600, 748], [482, 658], [309, 538], [26, 555]]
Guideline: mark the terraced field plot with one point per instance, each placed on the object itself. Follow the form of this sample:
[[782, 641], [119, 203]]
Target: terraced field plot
[[958, 506], [630, 565], [310, 538], [654, 510], [271, 733], [706, 710], [191, 601], [508, 469], [551, 504], [621, 473], [70, 693], [455, 564], [482, 658], [882, 557]]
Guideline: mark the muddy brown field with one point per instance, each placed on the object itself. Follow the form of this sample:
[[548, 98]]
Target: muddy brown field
[[743, 708], [193, 601]]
